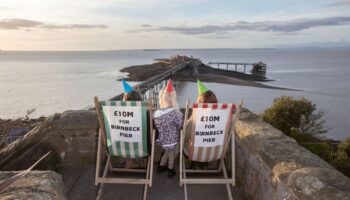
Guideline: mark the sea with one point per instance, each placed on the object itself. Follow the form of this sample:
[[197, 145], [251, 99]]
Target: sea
[[40, 83]]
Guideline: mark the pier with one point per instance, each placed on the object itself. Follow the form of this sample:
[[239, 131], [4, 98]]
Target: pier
[[178, 65], [150, 88], [256, 68]]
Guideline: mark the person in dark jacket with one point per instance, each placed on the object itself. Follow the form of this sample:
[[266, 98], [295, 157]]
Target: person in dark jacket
[[204, 96], [132, 95]]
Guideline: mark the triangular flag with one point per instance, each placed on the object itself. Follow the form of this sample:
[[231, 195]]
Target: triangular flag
[[127, 87], [201, 87], [169, 87]]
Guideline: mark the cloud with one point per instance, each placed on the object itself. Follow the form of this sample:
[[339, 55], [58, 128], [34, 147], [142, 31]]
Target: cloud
[[146, 26], [16, 24], [75, 26], [286, 27], [341, 3]]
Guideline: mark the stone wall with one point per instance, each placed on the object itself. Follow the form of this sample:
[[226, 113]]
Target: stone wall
[[271, 165], [72, 135], [38, 185]]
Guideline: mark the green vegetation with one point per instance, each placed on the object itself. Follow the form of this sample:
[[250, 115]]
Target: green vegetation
[[345, 146], [299, 119], [295, 117], [323, 149]]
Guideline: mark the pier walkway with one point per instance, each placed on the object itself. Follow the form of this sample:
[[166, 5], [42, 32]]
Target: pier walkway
[[259, 67], [227, 64], [151, 87]]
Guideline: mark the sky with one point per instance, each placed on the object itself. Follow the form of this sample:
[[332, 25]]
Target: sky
[[157, 24]]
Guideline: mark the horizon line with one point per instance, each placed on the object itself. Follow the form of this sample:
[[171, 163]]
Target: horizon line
[[160, 49]]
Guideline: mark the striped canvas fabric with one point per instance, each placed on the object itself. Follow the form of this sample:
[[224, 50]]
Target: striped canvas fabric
[[209, 131], [126, 128]]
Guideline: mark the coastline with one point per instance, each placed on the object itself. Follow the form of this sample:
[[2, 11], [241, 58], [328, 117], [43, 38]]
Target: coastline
[[7, 124], [144, 72]]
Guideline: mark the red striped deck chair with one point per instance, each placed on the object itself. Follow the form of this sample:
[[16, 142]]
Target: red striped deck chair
[[211, 130], [123, 132]]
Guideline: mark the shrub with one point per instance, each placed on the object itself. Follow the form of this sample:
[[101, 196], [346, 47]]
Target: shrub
[[340, 160], [297, 118], [345, 146], [321, 149]]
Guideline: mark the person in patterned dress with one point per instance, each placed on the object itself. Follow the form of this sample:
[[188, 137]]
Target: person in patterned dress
[[168, 121]]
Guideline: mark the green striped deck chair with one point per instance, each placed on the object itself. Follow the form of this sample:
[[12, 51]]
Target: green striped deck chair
[[210, 132], [124, 127]]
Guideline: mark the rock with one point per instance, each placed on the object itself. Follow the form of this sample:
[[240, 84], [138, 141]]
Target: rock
[[319, 183], [15, 133], [8, 124], [77, 119], [38, 185]]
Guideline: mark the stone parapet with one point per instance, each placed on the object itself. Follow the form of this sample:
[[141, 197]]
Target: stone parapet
[[72, 135], [271, 165]]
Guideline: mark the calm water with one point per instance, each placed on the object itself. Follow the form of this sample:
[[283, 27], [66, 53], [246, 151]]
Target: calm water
[[57, 81]]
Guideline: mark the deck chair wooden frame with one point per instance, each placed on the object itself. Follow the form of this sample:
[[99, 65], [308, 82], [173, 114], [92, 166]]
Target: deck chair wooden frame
[[221, 167], [102, 151]]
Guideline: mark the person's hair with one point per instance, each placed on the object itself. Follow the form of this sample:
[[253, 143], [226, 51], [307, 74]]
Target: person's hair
[[207, 97], [167, 100], [132, 96]]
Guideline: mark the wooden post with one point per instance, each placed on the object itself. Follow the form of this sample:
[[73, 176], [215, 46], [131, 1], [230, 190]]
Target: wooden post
[[226, 66], [182, 137], [153, 132], [100, 119], [218, 66], [236, 67], [245, 67]]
